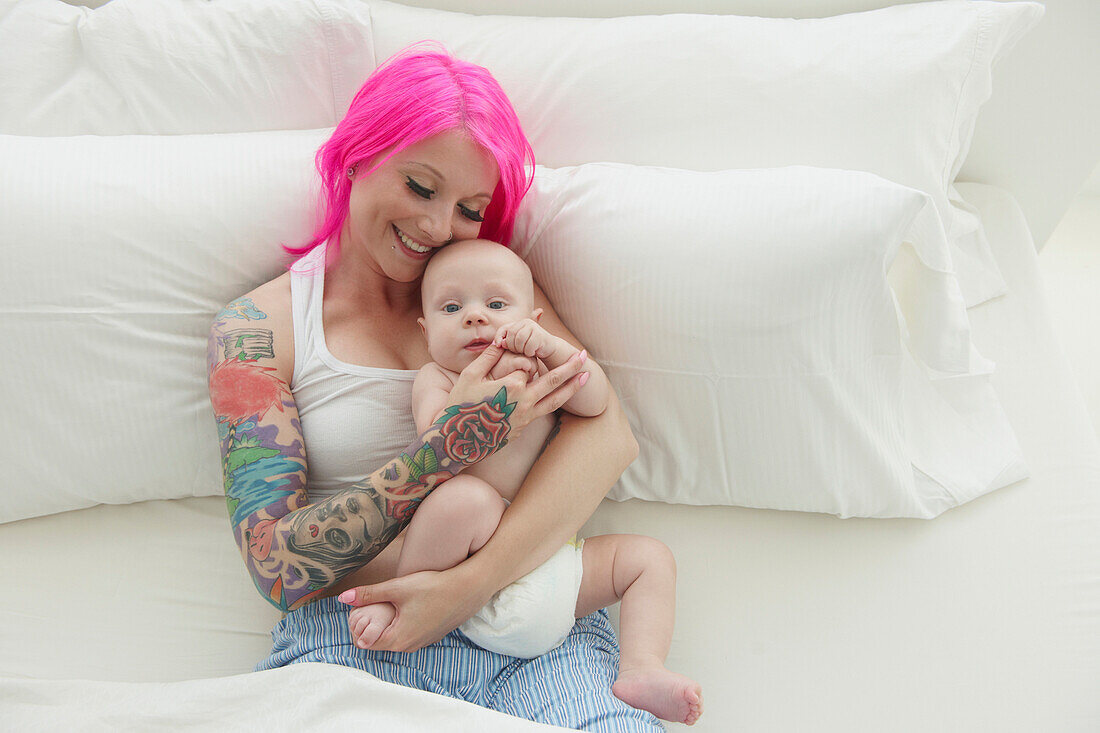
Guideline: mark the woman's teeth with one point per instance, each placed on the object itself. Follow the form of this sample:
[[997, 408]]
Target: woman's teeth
[[410, 243]]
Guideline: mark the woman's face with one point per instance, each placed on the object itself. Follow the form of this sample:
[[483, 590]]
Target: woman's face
[[430, 193]]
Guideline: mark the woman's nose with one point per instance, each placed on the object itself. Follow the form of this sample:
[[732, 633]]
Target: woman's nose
[[436, 227]]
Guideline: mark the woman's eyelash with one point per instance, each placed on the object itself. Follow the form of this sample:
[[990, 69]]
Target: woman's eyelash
[[427, 193], [419, 190]]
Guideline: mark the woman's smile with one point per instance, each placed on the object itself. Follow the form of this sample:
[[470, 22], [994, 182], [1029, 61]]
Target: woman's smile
[[410, 246]]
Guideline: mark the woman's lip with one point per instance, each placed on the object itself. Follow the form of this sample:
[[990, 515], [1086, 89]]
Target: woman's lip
[[409, 252]]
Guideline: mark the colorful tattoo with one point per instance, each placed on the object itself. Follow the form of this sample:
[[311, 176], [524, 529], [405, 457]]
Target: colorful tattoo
[[474, 432], [243, 344], [248, 344], [243, 308], [294, 561], [294, 550]]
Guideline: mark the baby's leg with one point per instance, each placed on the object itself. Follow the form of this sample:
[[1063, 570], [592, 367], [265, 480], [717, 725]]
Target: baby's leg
[[452, 523], [641, 572]]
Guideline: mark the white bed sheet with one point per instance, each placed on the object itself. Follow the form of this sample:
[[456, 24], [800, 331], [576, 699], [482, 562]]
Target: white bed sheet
[[985, 618], [327, 697]]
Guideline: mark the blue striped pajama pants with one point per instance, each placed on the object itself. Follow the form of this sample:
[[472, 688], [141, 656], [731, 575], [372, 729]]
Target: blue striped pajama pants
[[569, 686]]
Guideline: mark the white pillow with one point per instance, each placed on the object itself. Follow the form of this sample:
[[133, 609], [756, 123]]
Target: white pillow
[[747, 323], [117, 252], [894, 91], [170, 67]]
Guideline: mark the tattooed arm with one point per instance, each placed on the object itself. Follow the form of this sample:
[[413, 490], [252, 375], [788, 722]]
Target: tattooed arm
[[295, 551]]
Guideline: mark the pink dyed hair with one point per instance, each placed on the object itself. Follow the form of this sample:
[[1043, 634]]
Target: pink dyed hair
[[418, 92]]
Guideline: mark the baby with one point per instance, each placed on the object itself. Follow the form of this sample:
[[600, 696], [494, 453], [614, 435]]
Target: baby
[[475, 293]]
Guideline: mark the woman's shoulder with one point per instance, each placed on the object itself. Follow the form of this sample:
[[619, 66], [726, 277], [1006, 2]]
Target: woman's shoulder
[[273, 294], [266, 306], [260, 323]]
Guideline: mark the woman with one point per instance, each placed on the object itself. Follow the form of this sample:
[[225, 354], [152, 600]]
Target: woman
[[315, 368]]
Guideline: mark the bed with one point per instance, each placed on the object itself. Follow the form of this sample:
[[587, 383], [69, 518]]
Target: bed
[[141, 616]]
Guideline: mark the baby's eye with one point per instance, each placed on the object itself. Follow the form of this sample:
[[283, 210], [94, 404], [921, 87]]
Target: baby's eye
[[496, 304], [451, 308], [471, 214], [419, 190]]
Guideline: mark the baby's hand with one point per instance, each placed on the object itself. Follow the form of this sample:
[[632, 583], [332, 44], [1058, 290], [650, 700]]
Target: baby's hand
[[510, 362], [528, 338]]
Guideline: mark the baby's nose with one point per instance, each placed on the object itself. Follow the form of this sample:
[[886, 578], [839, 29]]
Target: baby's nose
[[475, 317]]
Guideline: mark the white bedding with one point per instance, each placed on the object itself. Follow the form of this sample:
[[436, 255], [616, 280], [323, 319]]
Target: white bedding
[[327, 697], [985, 618]]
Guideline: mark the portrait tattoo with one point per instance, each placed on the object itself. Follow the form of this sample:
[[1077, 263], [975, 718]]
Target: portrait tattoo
[[295, 560]]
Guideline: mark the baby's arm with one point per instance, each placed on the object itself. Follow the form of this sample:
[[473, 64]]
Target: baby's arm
[[529, 338], [429, 394]]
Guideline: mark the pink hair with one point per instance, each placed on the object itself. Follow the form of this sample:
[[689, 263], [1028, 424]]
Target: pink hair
[[418, 92]]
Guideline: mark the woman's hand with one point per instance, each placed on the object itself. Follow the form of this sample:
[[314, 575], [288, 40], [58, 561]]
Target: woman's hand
[[531, 400], [430, 604]]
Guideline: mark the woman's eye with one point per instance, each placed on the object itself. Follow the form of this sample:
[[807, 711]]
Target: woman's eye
[[451, 308], [496, 304], [419, 190], [471, 214]]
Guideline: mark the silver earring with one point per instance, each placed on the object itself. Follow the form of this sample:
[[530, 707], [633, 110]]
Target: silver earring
[[351, 172]]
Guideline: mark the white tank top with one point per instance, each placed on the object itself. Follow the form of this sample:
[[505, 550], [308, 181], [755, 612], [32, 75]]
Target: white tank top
[[354, 418]]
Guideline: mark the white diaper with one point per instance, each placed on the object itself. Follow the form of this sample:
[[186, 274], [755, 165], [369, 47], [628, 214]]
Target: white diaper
[[534, 614]]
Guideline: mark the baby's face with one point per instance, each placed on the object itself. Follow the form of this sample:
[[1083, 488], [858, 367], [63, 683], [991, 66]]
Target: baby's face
[[469, 291]]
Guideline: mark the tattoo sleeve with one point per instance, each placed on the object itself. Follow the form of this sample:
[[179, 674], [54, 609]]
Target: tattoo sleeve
[[294, 550]]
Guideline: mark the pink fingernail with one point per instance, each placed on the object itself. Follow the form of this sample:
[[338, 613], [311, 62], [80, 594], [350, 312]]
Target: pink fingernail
[[584, 355], [347, 596], [584, 378]]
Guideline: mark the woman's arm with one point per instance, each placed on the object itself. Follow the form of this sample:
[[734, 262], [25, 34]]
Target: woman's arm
[[561, 491], [295, 551]]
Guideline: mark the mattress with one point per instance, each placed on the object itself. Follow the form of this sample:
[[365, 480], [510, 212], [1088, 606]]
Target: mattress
[[985, 618]]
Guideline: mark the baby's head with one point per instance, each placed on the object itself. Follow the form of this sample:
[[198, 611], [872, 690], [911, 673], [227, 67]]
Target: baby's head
[[470, 289]]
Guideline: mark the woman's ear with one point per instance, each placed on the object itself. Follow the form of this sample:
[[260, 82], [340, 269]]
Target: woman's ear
[[536, 314]]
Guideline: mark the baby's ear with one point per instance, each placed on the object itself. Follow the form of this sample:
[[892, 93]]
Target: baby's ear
[[422, 329], [536, 314]]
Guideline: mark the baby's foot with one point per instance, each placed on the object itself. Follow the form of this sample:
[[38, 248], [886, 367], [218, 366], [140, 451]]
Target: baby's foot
[[668, 695], [368, 622]]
